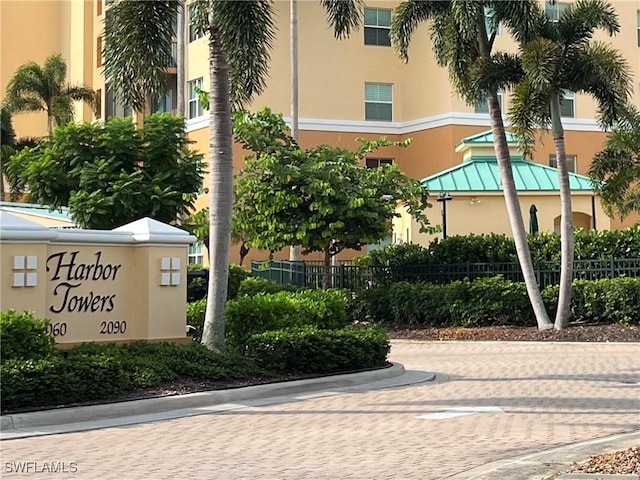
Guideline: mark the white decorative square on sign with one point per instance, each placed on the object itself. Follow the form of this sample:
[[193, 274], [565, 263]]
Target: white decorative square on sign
[[175, 263], [166, 278], [32, 262], [175, 278], [18, 262], [32, 279], [18, 279], [165, 263]]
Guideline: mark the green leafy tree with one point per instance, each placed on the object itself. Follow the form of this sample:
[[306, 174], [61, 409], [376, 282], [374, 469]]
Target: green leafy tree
[[42, 88], [320, 198], [561, 57], [616, 169], [137, 48], [463, 34], [113, 174]]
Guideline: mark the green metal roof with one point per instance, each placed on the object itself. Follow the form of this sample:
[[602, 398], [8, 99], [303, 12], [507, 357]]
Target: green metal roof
[[481, 174], [39, 210], [485, 138]]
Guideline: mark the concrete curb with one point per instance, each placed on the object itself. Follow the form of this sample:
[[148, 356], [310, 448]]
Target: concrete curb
[[137, 411], [546, 464]]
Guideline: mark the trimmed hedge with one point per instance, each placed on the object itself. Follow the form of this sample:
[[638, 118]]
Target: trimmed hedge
[[493, 248], [24, 336], [309, 349], [245, 316], [254, 285], [493, 301], [197, 282]]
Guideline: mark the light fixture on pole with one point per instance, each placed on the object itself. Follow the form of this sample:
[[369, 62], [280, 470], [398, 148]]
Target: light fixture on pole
[[444, 197]]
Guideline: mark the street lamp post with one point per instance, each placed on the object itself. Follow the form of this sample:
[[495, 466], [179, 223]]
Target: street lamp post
[[444, 197]]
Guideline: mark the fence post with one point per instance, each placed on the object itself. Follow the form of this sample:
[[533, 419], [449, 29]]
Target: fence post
[[612, 268]]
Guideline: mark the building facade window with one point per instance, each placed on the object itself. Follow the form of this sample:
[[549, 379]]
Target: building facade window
[[99, 7], [555, 10], [483, 106], [377, 25], [196, 257], [99, 52], [638, 24], [99, 104], [164, 104], [568, 105], [571, 162], [194, 33], [378, 102], [195, 109], [377, 162], [113, 108]]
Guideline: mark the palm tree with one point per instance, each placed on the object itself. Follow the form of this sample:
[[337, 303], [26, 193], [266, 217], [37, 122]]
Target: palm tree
[[462, 44], [136, 53], [616, 169], [558, 59], [34, 88]]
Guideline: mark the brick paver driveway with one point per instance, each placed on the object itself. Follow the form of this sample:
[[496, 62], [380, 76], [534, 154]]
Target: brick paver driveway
[[544, 395]]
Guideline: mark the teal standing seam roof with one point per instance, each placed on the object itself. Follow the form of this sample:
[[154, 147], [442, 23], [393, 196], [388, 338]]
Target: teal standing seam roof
[[481, 174], [28, 208]]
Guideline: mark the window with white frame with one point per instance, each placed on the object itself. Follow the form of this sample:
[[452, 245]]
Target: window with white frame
[[568, 104], [195, 109], [196, 257], [638, 24], [377, 25], [378, 102], [571, 162], [554, 10], [483, 106], [489, 23], [377, 162], [194, 32]]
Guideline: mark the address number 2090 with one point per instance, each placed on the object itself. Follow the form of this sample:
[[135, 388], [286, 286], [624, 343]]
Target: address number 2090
[[113, 328]]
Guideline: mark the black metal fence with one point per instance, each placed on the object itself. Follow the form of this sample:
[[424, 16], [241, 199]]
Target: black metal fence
[[355, 277]]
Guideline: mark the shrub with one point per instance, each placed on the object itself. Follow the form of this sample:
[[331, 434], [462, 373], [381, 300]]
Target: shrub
[[309, 349], [236, 276], [195, 317], [23, 336], [493, 301], [197, 282], [254, 285], [196, 287], [246, 315]]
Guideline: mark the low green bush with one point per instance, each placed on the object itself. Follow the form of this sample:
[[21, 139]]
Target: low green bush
[[255, 285], [195, 318], [104, 371], [493, 301], [23, 336], [197, 285], [247, 315], [309, 349], [237, 275]]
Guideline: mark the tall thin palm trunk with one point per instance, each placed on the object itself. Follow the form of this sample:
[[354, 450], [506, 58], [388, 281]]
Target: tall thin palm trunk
[[220, 191], [566, 219], [515, 213], [180, 61], [294, 251]]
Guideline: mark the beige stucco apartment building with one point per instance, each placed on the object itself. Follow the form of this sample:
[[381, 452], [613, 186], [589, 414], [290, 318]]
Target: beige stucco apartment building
[[350, 88]]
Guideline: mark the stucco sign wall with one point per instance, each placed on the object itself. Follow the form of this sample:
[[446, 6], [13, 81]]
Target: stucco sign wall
[[124, 284]]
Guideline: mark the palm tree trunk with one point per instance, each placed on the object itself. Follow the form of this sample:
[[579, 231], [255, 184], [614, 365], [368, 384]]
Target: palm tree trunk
[[50, 123], [294, 251], [566, 219], [220, 191], [515, 213], [180, 61]]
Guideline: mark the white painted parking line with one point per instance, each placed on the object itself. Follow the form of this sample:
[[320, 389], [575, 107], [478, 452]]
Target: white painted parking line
[[459, 412]]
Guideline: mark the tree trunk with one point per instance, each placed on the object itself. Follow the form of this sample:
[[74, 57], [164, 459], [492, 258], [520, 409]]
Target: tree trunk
[[180, 60], [326, 268], [509, 189], [244, 251], [220, 190], [50, 123], [566, 219], [294, 251], [515, 213]]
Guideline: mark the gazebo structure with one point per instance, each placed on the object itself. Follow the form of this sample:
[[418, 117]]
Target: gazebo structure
[[468, 198]]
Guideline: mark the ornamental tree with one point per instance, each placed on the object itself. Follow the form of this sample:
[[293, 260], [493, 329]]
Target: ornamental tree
[[112, 174], [321, 199]]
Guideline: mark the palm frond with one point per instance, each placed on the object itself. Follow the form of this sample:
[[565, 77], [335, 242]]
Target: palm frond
[[81, 93], [581, 19], [529, 111], [137, 50], [27, 89], [246, 31], [409, 14], [500, 71], [54, 71], [62, 109], [523, 18], [602, 71], [345, 16], [541, 59]]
